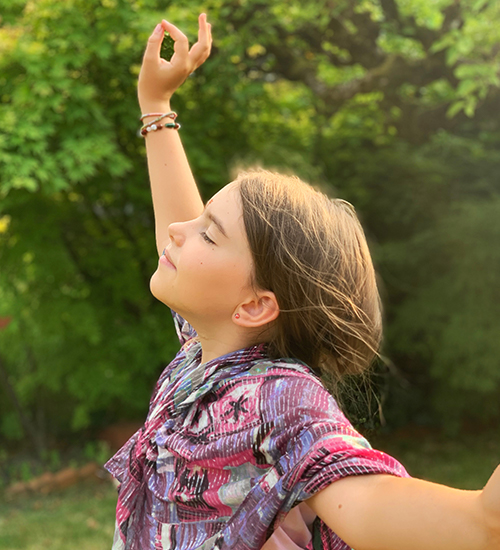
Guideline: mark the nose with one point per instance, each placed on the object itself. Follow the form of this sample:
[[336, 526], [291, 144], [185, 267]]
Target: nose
[[176, 232]]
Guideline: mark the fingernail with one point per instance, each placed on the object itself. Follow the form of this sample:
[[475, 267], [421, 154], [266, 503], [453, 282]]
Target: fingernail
[[158, 29]]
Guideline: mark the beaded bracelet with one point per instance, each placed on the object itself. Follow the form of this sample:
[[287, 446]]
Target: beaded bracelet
[[161, 116], [154, 127]]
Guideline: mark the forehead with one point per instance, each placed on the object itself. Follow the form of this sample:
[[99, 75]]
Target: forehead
[[226, 205], [227, 202], [227, 192]]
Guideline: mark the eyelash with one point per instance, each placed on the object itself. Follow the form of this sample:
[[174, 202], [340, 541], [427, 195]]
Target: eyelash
[[206, 237]]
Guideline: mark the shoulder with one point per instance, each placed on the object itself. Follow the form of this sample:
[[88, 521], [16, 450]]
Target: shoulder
[[291, 383], [287, 390]]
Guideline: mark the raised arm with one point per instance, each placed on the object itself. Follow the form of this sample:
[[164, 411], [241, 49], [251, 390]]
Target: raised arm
[[381, 512], [173, 188]]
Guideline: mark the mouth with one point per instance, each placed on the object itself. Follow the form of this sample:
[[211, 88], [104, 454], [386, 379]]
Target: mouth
[[165, 259]]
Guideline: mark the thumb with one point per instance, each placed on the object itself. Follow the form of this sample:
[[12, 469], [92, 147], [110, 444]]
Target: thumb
[[153, 47], [491, 494]]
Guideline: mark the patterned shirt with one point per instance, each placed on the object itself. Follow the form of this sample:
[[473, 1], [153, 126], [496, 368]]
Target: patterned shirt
[[228, 448]]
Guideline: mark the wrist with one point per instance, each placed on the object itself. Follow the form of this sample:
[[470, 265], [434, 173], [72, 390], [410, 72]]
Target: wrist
[[154, 107]]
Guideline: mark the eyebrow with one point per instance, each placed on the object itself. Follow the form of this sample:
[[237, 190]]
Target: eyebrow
[[216, 221]]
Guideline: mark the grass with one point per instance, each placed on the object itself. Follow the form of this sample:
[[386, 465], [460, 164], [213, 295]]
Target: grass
[[80, 517], [465, 463], [83, 517]]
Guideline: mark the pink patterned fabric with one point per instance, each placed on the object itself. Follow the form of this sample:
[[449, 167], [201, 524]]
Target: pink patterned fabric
[[295, 533], [229, 449]]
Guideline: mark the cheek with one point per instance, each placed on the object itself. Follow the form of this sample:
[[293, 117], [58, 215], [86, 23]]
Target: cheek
[[226, 274], [198, 259]]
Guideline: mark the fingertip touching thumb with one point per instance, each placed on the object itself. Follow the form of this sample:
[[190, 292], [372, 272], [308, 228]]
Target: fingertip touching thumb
[[158, 30]]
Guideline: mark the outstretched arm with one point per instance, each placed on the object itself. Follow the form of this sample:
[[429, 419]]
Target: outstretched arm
[[175, 193], [382, 512]]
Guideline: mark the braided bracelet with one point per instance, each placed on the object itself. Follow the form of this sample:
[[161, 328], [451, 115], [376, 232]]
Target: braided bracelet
[[171, 114]]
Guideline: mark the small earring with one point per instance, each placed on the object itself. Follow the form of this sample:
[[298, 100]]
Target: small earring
[[237, 315]]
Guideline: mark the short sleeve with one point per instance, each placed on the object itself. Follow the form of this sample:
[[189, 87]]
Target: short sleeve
[[185, 331], [309, 444], [314, 444]]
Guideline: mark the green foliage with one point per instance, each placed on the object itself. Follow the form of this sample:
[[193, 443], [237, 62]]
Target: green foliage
[[365, 101], [438, 259], [97, 451], [76, 243], [167, 47], [450, 319]]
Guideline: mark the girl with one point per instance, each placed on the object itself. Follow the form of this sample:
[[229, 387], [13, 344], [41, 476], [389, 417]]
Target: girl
[[269, 284]]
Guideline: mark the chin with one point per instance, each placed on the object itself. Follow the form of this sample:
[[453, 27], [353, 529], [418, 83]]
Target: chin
[[156, 288]]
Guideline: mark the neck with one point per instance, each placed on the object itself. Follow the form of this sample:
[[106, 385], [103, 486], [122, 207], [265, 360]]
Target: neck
[[213, 347], [218, 341]]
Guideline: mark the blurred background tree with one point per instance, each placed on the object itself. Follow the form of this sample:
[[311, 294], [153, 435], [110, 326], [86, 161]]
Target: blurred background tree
[[390, 104]]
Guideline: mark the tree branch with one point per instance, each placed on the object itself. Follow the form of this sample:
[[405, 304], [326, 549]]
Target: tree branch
[[28, 427], [391, 11]]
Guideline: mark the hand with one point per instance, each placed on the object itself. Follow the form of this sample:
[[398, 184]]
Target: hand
[[159, 78], [490, 501]]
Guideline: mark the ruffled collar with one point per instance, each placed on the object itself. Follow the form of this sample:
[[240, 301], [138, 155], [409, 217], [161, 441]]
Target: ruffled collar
[[190, 379]]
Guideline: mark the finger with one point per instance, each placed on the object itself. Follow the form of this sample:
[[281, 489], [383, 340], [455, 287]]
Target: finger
[[181, 43], [203, 28], [153, 47], [201, 50]]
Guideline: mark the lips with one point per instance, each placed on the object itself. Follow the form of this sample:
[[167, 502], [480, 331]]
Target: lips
[[166, 259]]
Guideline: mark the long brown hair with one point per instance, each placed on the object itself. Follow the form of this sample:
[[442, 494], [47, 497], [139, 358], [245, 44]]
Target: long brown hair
[[311, 251]]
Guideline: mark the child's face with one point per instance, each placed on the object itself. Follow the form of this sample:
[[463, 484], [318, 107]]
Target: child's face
[[207, 280]]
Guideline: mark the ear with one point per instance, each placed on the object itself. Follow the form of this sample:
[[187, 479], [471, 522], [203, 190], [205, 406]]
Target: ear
[[257, 312]]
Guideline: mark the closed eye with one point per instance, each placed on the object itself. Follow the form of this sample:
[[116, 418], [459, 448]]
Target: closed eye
[[206, 237]]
